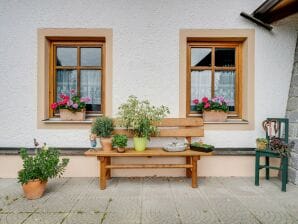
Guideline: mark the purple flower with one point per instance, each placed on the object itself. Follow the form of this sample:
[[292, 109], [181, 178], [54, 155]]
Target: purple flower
[[72, 91], [75, 106]]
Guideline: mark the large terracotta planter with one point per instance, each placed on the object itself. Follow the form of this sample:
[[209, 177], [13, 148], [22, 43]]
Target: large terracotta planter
[[215, 116], [67, 115], [106, 144], [34, 189]]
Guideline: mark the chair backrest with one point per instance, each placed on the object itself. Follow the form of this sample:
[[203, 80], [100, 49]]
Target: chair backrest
[[175, 127], [277, 127]]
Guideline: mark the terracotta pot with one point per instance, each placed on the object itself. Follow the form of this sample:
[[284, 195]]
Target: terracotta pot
[[120, 150], [34, 189], [215, 116], [106, 144], [67, 115]]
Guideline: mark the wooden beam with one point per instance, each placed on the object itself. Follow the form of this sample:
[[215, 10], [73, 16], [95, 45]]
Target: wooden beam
[[144, 166]]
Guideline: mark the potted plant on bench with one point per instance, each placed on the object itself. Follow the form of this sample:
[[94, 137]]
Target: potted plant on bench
[[214, 110], [120, 142], [38, 169], [139, 117], [103, 127], [71, 107]]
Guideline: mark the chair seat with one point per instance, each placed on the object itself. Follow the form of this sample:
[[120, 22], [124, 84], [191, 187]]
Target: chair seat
[[268, 152]]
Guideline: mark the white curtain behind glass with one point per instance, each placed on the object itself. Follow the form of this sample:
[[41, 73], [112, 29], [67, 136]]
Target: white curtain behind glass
[[91, 85], [66, 81], [200, 84]]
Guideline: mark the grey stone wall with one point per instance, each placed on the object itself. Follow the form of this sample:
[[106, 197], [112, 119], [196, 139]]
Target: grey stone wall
[[292, 114]]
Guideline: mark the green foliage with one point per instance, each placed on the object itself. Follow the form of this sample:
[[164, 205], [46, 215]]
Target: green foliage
[[103, 127], [119, 141], [202, 145], [139, 116], [44, 165]]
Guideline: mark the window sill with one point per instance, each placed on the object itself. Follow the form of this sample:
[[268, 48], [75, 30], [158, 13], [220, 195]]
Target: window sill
[[229, 121], [58, 121]]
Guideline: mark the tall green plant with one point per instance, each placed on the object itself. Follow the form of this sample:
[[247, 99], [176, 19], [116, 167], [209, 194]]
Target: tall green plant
[[103, 127], [139, 116], [44, 165]]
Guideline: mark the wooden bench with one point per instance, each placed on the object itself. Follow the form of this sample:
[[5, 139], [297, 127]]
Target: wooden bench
[[169, 127]]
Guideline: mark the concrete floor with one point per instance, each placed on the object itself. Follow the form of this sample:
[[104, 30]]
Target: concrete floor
[[151, 200]]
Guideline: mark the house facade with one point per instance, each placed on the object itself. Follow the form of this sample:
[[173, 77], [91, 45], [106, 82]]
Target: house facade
[[169, 52]]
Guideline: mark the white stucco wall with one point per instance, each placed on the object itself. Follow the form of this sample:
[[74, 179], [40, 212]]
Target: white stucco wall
[[145, 59]]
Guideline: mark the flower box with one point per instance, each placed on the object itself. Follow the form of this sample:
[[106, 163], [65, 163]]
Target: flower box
[[214, 116], [67, 115]]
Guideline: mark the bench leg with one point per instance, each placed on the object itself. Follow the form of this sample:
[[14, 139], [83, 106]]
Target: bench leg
[[103, 172], [194, 174], [108, 170], [188, 170]]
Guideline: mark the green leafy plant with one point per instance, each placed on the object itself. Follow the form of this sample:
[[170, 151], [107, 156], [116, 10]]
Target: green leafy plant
[[140, 117], [120, 141], [202, 145], [103, 127], [42, 166]]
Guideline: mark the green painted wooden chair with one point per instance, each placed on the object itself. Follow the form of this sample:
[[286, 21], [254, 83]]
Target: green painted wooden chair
[[278, 127]]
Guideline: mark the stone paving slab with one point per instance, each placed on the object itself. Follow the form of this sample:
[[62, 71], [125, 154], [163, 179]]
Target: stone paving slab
[[151, 200]]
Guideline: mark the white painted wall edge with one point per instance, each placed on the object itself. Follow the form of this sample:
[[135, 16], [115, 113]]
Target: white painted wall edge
[[81, 166]]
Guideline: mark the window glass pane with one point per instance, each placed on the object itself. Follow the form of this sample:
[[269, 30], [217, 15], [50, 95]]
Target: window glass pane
[[91, 56], [66, 80], [91, 87], [225, 57], [66, 56], [200, 56], [200, 85], [224, 85]]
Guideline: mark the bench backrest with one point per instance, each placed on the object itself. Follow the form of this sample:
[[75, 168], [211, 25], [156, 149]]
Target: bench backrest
[[175, 127]]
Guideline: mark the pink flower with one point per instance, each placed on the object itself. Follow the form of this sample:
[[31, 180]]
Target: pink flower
[[72, 91], [85, 99], [69, 103], [75, 106], [207, 105], [54, 106], [205, 99], [195, 101]]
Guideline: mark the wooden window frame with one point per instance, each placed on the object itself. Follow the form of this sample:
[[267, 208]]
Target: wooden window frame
[[77, 43], [237, 68]]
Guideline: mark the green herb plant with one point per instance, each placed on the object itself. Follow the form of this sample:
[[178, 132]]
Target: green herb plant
[[103, 127], [140, 117], [119, 141], [42, 166]]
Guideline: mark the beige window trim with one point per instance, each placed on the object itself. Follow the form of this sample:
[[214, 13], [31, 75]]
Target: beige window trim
[[43, 44], [247, 37]]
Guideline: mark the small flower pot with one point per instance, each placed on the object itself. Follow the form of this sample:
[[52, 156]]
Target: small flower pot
[[106, 144], [215, 116], [34, 189], [67, 115], [140, 144], [120, 150]]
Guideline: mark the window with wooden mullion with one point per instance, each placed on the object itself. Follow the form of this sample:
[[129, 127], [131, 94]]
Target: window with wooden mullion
[[78, 66], [213, 71]]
